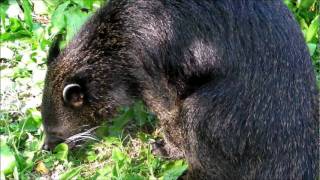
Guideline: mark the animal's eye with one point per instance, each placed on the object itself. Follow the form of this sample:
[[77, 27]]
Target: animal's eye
[[72, 95]]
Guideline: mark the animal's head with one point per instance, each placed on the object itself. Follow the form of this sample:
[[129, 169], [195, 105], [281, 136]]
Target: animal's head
[[108, 64], [84, 86]]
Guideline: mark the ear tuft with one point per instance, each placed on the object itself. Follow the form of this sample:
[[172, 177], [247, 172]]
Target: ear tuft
[[54, 49], [73, 96]]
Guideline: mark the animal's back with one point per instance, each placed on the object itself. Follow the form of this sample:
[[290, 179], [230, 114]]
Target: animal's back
[[260, 117]]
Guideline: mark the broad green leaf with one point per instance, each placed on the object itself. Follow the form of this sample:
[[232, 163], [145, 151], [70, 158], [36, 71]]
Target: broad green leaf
[[61, 151], [7, 158], [15, 25], [12, 36], [75, 18], [117, 155], [140, 114], [58, 16], [33, 120], [44, 43], [101, 173], [174, 170], [313, 29], [89, 4], [120, 121], [91, 156], [28, 158], [72, 173]]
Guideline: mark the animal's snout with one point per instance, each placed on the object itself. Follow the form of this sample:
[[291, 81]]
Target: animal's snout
[[51, 142]]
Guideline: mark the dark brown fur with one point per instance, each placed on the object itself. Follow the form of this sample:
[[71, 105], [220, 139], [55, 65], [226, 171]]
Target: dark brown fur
[[230, 81]]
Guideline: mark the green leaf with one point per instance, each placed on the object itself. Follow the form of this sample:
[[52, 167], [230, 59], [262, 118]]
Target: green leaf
[[72, 173], [312, 48], [134, 177], [89, 4], [21, 73], [84, 4], [61, 151], [12, 36], [44, 43], [33, 120], [51, 5], [109, 141], [313, 29], [120, 121], [3, 9], [289, 3], [15, 25], [7, 158], [27, 12], [58, 16], [28, 159], [306, 4], [75, 19], [117, 155], [21, 161], [174, 170], [140, 114], [101, 173], [91, 156], [303, 23]]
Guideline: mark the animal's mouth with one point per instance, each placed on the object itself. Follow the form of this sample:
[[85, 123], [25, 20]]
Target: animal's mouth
[[73, 141]]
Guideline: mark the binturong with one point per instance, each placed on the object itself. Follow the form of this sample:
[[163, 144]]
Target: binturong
[[231, 82]]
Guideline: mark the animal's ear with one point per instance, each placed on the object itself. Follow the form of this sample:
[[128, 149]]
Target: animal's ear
[[54, 49], [73, 96]]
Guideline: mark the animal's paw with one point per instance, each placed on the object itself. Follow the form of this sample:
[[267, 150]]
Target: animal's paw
[[165, 150], [158, 148]]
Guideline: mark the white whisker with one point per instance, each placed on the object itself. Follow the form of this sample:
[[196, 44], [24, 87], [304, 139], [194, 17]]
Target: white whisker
[[86, 135]]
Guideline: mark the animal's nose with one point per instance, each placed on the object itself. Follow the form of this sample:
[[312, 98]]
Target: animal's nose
[[51, 142]]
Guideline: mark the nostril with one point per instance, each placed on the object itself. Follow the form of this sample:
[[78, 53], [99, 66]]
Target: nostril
[[51, 142]]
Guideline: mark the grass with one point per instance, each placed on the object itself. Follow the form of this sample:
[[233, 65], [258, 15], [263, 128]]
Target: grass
[[123, 149]]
